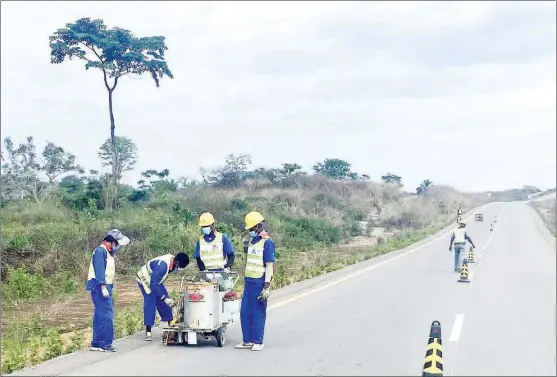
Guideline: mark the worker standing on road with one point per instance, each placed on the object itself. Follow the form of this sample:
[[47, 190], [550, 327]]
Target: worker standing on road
[[100, 282], [213, 250], [459, 237], [150, 279], [257, 281], [459, 214]]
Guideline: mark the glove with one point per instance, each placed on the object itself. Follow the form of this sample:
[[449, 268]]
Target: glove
[[264, 294], [104, 291], [168, 301], [227, 270]]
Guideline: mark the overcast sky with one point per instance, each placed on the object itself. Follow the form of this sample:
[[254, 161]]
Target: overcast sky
[[462, 93]]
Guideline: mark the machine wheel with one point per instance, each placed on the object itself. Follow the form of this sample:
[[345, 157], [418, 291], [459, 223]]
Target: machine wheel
[[221, 337]]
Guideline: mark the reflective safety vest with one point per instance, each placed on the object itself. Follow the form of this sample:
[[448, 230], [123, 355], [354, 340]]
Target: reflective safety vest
[[459, 235], [211, 253], [109, 269], [255, 267], [145, 272]]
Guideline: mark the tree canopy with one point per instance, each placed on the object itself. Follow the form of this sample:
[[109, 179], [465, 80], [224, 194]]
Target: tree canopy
[[115, 51]]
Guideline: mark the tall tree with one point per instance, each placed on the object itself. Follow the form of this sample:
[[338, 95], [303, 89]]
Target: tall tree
[[116, 52]]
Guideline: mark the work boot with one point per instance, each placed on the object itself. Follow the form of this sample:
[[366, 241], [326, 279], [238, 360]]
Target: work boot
[[105, 349], [257, 347], [148, 336], [244, 346]]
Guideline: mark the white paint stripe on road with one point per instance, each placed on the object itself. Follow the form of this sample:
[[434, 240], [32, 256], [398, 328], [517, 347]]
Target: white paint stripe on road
[[451, 373], [367, 269], [457, 328]]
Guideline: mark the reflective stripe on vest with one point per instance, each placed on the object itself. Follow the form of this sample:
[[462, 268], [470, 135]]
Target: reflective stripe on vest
[[211, 253], [255, 267], [109, 270], [459, 236], [145, 272]]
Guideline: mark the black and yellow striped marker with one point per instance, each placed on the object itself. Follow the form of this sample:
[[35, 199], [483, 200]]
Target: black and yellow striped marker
[[433, 365], [471, 255], [464, 274]]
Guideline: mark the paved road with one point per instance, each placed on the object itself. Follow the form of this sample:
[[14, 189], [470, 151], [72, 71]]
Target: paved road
[[375, 320]]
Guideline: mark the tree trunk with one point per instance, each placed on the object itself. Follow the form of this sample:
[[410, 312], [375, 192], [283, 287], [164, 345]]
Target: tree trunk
[[111, 202]]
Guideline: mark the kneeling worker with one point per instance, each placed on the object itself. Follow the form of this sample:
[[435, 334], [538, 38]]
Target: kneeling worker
[[213, 250], [150, 279], [257, 281]]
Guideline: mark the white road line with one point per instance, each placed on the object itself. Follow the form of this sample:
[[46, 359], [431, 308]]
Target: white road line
[[457, 328], [451, 373]]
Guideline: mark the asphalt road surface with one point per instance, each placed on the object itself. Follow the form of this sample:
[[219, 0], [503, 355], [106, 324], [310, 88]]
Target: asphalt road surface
[[374, 318]]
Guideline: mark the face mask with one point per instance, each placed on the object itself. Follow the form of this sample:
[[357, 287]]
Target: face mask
[[115, 248], [206, 230], [252, 233]]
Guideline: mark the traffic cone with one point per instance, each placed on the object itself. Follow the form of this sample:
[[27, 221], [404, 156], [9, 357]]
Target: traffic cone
[[464, 276], [471, 255], [433, 364]]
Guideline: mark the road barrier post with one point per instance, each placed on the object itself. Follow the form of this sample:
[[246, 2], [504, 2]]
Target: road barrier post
[[464, 275], [433, 364]]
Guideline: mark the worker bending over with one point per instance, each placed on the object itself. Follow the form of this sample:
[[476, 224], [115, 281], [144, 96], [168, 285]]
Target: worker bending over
[[459, 237], [150, 279], [100, 283], [257, 281], [213, 250]]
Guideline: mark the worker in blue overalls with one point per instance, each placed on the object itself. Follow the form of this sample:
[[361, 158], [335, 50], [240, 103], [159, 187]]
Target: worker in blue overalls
[[150, 279], [257, 282], [100, 282], [213, 250]]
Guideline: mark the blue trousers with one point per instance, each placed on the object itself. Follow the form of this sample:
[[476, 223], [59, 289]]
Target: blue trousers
[[103, 318], [253, 313], [458, 251], [151, 305]]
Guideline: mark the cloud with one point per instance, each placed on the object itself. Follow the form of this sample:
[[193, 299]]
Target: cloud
[[407, 87]]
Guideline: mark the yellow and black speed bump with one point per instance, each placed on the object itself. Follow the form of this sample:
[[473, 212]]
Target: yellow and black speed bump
[[433, 365], [464, 274], [471, 255]]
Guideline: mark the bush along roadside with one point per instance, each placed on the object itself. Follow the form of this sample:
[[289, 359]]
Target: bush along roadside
[[31, 342]]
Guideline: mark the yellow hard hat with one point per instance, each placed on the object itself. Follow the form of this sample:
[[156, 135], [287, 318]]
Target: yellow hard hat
[[206, 219], [253, 218]]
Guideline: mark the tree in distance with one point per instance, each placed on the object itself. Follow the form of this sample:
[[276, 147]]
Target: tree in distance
[[116, 52]]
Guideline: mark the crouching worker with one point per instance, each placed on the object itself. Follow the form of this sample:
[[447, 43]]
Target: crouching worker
[[213, 250], [257, 281], [100, 283], [150, 279]]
